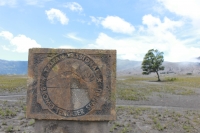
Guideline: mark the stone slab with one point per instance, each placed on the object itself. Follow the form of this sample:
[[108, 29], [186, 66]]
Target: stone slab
[[71, 84], [57, 126]]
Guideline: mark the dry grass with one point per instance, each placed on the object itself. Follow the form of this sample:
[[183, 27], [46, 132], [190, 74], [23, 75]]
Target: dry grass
[[162, 120], [12, 83], [188, 81], [139, 88]]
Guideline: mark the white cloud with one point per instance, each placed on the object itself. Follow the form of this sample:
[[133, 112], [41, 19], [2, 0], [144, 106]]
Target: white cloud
[[179, 52], [57, 14], [154, 24], [117, 24], [96, 20], [19, 43], [7, 2], [185, 8], [23, 43], [155, 34], [127, 48], [151, 21], [189, 8], [74, 6], [165, 38], [6, 34], [73, 36], [134, 48]]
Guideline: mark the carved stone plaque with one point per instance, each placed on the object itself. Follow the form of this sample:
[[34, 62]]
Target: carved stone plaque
[[71, 84]]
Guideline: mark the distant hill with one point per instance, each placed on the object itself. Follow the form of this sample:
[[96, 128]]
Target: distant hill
[[13, 67], [124, 67], [127, 67]]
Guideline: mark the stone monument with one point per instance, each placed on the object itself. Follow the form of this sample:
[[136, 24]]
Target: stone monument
[[71, 90]]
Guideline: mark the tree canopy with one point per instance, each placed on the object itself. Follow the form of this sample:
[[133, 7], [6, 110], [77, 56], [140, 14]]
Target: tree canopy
[[152, 62]]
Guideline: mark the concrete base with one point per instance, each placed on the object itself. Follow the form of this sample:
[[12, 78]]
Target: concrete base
[[56, 126]]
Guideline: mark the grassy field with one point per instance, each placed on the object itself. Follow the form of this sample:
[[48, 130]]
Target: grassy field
[[139, 88], [12, 83]]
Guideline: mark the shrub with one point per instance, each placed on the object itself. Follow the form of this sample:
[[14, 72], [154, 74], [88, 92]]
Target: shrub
[[188, 73], [171, 79]]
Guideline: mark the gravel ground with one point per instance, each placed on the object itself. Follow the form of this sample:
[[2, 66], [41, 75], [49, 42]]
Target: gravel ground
[[12, 115], [131, 118]]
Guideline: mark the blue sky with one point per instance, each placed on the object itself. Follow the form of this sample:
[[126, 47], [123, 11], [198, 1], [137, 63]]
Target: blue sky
[[132, 27]]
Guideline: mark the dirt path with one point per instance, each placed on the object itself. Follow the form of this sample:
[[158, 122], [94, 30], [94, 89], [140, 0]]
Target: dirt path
[[166, 100], [159, 107], [126, 103], [12, 98]]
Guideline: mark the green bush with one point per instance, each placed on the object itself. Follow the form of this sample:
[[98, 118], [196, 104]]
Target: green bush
[[188, 73], [9, 129], [171, 79], [31, 122]]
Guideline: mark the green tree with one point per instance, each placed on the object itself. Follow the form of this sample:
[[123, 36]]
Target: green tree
[[152, 62]]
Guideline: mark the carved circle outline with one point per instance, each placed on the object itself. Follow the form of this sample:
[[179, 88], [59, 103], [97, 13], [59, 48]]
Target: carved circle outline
[[43, 87]]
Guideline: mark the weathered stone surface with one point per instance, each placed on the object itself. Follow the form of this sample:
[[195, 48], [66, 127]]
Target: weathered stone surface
[[71, 84], [56, 126]]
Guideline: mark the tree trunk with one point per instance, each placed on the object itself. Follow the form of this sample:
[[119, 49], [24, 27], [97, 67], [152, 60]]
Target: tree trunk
[[158, 75]]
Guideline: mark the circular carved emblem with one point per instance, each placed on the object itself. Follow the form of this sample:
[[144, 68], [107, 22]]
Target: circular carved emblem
[[79, 74]]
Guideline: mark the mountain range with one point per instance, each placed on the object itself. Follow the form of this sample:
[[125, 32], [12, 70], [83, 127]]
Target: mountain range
[[124, 67], [13, 67], [127, 67]]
